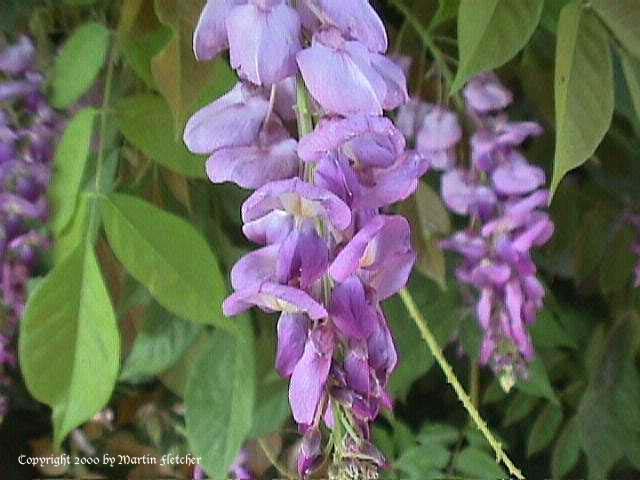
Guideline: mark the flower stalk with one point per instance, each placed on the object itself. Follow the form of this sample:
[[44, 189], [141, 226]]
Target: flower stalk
[[452, 379]]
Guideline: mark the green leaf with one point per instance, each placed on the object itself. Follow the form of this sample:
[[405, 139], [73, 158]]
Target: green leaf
[[272, 406], [591, 242], [477, 440], [441, 433], [169, 257], [548, 332], [79, 63], [447, 9], [423, 459], [69, 342], [622, 17], [432, 214], [160, 344], [272, 400], [584, 89], [383, 440], [538, 383], [76, 231], [403, 437], [139, 49], [617, 271], [631, 68], [440, 310], [220, 400], [544, 429], [181, 79], [478, 464], [159, 142], [470, 333], [69, 164], [551, 13], [490, 36], [566, 451], [608, 428], [519, 407]]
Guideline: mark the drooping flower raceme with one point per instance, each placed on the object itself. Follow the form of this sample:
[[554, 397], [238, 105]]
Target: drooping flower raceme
[[504, 197], [328, 254], [28, 130]]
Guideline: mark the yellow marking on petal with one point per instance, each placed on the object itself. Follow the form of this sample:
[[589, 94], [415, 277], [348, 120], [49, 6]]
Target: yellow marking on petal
[[370, 255]]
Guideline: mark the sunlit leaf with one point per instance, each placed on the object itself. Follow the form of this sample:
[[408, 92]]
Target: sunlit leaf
[[79, 63], [169, 257], [159, 345], [220, 400], [490, 36], [70, 164], [584, 93], [622, 17], [159, 142], [69, 342], [180, 78]]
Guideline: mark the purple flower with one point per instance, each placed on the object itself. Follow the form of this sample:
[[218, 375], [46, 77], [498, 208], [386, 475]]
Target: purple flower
[[264, 37], [233, 120], [410, 118], [17, 59], [253, 166], [346, 79], [327, 257], [240, 470], [463, 195], [357, 20], [299, 199], [486, 94], [310, 375], [365, 140], [273, 297], [438, 137], [352, 313], [27, 140], [380, 254], [292, 336], [310, 452], [210, 37], [502, 194]]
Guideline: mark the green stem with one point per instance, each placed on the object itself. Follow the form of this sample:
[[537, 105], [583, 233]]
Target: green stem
[[432, 343], [474, 383], [303, 110], [104, 112], [429, 42]]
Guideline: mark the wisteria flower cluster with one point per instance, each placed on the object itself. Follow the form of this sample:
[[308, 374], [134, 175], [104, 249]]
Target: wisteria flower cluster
[[28, 130], [329, 255], [504, 198]]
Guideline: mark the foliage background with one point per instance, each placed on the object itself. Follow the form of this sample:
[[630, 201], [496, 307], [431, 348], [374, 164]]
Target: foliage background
[[129, 317]]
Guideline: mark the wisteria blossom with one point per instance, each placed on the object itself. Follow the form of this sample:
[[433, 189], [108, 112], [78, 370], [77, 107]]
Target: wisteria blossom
[[504, 197], [328, 254], [28, 131]]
